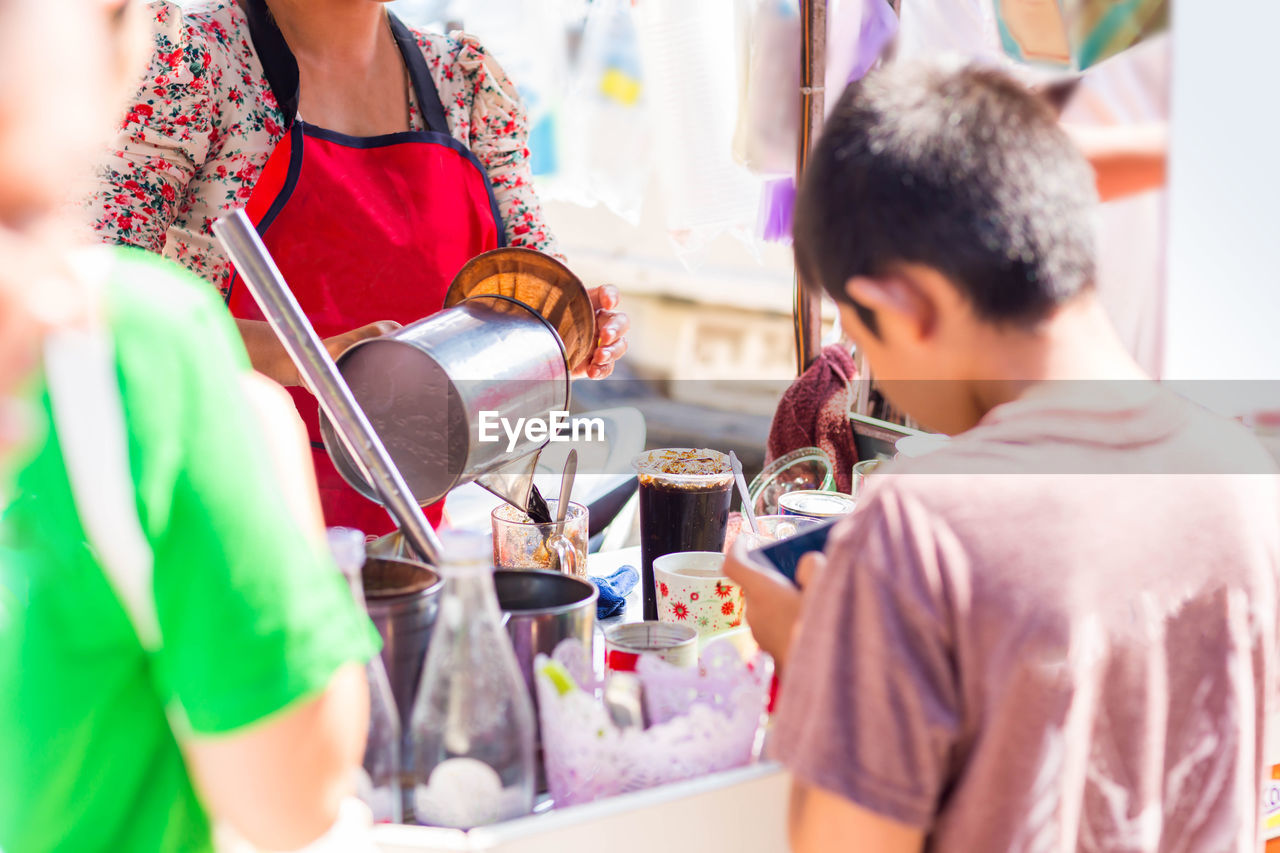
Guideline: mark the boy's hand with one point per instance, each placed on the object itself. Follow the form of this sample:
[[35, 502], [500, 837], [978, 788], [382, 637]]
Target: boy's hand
[[773, 602]]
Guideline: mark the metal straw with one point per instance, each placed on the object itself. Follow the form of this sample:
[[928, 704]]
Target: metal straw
[[304, 346], [745, 492]]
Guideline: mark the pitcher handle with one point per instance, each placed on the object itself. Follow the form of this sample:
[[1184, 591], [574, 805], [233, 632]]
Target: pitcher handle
[[567, 555]]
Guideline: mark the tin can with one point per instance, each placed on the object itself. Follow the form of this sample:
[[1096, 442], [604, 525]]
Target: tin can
[[624, 644], [811, 503]]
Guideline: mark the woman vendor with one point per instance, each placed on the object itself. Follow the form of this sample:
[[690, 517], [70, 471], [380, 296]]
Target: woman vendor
[[374, 159]]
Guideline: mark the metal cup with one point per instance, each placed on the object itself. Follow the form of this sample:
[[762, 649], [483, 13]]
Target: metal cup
[[542, 608]]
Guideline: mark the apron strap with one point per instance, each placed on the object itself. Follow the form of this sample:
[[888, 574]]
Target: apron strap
[[88, 417], [424, 86], [278, 63]]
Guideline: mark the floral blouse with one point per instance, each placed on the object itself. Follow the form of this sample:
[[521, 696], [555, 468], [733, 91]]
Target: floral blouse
[[205, 121]]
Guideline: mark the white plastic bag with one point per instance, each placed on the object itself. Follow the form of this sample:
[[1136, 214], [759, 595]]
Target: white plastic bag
[[604, 136], [768, 127], [768, 124], [690, 82]]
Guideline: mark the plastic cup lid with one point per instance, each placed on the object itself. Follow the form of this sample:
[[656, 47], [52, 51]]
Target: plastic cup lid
[[656, 465]]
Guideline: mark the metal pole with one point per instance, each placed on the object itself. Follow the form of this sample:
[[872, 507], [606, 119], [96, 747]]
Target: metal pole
[[304, 346], [806, 309]]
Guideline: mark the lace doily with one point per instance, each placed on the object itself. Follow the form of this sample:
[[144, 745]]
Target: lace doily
[[702, 721]]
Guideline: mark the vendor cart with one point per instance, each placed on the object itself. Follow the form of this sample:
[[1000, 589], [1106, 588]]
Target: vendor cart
[[741, 809]]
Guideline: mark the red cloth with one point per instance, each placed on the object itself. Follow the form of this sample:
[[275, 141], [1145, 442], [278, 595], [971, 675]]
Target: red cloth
[[814, 412]]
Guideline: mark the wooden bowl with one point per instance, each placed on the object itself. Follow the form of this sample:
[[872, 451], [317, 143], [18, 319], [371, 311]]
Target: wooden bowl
[[539, 281]]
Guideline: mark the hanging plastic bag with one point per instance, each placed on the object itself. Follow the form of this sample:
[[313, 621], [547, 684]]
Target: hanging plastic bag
[[529, 42], [690, 83], [604, 138], [768, 124], [857, 33]]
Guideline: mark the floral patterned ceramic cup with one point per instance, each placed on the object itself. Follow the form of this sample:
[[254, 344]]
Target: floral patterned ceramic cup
[[693, 590]]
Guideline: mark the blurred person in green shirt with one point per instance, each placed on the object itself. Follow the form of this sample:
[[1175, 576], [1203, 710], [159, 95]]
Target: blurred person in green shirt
[[189, 657]]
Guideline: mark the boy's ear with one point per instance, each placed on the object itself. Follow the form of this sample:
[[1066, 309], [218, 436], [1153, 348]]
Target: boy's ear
[[897, 300]]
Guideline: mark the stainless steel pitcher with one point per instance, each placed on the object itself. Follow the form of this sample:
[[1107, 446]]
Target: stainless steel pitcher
[[428, 388]]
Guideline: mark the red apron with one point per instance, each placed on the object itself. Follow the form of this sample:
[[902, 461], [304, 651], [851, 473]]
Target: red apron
[[365, 229]]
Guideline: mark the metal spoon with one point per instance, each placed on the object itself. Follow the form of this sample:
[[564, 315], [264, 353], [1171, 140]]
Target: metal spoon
[[742, 489], [566, 487], [624, 700]]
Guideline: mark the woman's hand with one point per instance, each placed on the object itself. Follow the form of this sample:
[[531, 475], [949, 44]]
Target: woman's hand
[[611, 332]]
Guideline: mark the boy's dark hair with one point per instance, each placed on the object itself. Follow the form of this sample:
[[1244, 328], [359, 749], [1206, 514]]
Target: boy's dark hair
[[964, 171]]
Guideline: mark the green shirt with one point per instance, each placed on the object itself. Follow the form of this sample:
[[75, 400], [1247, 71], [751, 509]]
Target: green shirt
[[253, 614]]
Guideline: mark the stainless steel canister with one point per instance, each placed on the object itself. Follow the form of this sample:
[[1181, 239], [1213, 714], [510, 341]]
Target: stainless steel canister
[[426, 387], [542, 608]]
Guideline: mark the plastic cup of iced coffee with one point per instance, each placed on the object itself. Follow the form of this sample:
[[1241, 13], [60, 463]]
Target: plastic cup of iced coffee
[[684, 506]]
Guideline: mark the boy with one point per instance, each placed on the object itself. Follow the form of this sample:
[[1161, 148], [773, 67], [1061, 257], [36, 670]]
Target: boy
[[1058, 633]]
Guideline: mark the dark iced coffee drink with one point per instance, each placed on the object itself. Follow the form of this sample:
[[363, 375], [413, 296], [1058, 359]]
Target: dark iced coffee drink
[[684, 506]]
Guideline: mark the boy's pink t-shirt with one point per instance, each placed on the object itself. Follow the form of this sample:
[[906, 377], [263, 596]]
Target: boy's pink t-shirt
[[1059, 633]]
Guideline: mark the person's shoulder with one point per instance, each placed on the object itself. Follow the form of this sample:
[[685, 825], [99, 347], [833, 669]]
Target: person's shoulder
[[903, 540], [940, 495], [458, 54], [194, 48], [1223, 445], [443, 47], [195, 28], [194, 39]]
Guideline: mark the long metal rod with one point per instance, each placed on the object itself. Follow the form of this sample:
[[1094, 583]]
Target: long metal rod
[[806, 309], [304, 346]]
